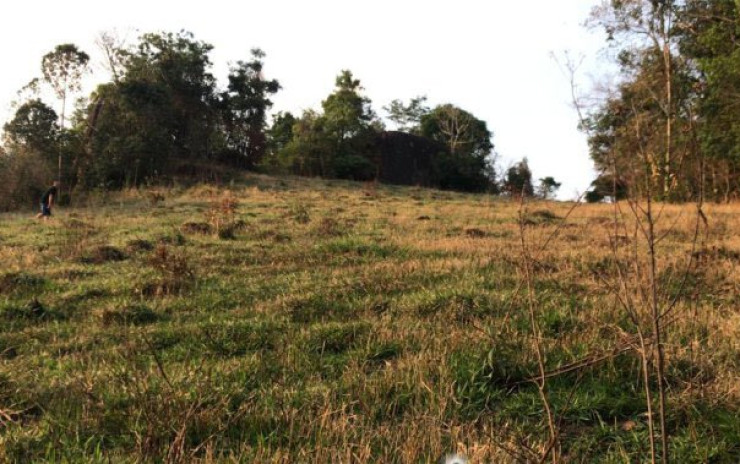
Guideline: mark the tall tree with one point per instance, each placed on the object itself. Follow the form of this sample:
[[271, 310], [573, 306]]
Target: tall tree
[[161, 112], [115, 53], [548, 187], [279, 136], [646, 29], [63, 69], [35, 127], [708, 33], [407, 117], [245, 104], [349, 125], [468, 163], [310, 151], [346, 111], [518, 181]]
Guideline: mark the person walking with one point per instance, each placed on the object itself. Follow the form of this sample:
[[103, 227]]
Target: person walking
[[47, 200]]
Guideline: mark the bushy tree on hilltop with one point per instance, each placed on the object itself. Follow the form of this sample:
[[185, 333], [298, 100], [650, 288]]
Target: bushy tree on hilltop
[[244, 111], [35, 126], [466, 164], [518, 181], [337, 142]]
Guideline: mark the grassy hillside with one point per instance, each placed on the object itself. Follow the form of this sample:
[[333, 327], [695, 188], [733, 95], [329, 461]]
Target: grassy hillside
[[287, 320]]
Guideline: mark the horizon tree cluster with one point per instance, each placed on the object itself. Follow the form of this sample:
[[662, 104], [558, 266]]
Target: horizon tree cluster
[[163, 114]]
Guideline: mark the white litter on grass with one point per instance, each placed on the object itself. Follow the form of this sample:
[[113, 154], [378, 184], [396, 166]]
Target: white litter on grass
[[455, 459]]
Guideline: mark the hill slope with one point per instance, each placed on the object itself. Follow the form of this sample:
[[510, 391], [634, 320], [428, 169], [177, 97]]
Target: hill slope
[[289, 320]]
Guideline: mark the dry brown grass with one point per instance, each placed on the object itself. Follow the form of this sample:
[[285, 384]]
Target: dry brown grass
[[379, 330]]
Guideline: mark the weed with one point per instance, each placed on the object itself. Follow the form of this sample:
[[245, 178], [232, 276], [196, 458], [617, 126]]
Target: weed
[[20, 283], [103, 254], [129, 315], [202, 228], [139, 245]]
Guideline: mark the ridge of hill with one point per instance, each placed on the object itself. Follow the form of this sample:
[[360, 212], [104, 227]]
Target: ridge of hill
[[303, 320]]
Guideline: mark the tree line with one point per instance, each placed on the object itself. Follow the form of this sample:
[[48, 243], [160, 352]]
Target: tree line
[[671, 128], [163, 114]]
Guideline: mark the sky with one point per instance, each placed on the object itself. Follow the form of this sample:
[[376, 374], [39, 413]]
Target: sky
[[493, 58]]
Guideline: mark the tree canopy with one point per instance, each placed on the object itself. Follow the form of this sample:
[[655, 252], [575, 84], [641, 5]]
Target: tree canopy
[[163, 114], [669, 129]]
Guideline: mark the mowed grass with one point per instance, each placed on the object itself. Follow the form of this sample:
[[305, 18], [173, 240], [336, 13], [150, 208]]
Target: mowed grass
[[294, 320]]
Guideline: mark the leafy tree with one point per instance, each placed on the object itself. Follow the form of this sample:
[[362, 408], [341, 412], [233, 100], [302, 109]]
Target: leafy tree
[[176, 68], [708, 34], [163, 111], [63, 69], [652, 121], [309, 151], [116, 53], [279, 135], [35, 127], [407, 117], [607, 186], [340, 142], [349, 125], [547, 187], [467, 163], [347, 112], [133, 136], [518, 181], [245, 107]]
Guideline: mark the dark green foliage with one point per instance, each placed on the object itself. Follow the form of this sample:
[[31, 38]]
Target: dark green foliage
[[593, 197], [244, 106], [606, 186], [354, 167], [340, 142], [160, 111], [163, 116], [450, 148], [547, 188], [518, 180], [279, 136], [407, 159], [465, 164], [670, 129], [35, 127], [408, 117]]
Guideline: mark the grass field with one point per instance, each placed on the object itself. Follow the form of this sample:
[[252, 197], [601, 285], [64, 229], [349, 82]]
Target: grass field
[[294, 320]]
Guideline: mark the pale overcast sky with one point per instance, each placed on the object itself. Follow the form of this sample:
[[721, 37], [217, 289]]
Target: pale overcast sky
[[491, 58]]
